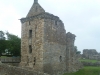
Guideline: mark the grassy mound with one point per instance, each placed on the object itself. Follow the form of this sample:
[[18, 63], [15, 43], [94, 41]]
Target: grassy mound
[[86, 71]]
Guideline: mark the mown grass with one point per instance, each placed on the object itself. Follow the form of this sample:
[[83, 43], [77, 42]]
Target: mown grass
[[86, 71], [88, 60], [3, 56]]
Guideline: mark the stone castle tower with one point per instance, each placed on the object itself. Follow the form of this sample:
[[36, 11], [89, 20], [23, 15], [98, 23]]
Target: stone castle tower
[[45, 46]]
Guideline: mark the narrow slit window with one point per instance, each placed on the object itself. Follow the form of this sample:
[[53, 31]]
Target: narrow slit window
[[34, 60], [60, 58], [30, 33], [29, 23], [55, 22], [30, 49]]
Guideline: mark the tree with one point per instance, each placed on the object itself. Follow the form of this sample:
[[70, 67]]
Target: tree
[[77, 52], [2, 46], [14, 44], [10, 45], [2, 37], [2, 42]]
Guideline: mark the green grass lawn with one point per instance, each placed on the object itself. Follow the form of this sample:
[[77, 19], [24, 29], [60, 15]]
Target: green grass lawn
[[86, 71], [88, 60], [3, 57]]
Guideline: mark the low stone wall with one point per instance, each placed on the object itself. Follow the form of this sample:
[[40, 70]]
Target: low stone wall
[[10, 59], [12, 70], [12, 64], [91, 64]]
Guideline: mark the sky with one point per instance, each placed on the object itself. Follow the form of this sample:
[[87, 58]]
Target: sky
[[80, 17]]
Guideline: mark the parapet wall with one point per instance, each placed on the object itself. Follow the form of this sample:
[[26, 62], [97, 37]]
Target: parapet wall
[[12, 70]]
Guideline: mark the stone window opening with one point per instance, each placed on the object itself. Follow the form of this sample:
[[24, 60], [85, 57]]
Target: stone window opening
[[30, 33], [30, 49], [60, 58], [55, 22], [29, 23], [34, 64], [34, 60]]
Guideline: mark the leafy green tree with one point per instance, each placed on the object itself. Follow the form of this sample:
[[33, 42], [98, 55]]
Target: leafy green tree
[[14, 44], [11, 43], [2, 35], [2, 42], [2, 46], [77, 52]]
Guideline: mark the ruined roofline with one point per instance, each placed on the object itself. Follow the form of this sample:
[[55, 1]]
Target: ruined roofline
[[44, 15], [70, 35]]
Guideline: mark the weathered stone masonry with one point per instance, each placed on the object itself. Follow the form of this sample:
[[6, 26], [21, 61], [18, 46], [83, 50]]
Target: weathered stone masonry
[[12, 70], [45, 46], [91, 54]]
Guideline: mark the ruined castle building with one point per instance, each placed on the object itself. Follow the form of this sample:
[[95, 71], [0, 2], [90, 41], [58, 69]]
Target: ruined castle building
[[90, 54], [43, 42], [70, 52]]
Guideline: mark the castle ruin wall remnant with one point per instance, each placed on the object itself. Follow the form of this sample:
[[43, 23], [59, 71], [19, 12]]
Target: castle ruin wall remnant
[[45, 46]]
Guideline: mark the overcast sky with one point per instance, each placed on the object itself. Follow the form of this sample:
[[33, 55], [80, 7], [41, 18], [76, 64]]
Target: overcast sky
[[81, 17]]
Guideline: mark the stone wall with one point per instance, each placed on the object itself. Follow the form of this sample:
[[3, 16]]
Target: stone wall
[[12, 70], [54, 47], [34, 58], [73, 63], [14, 61], [10, 59], [91, 54], [45, 46]]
